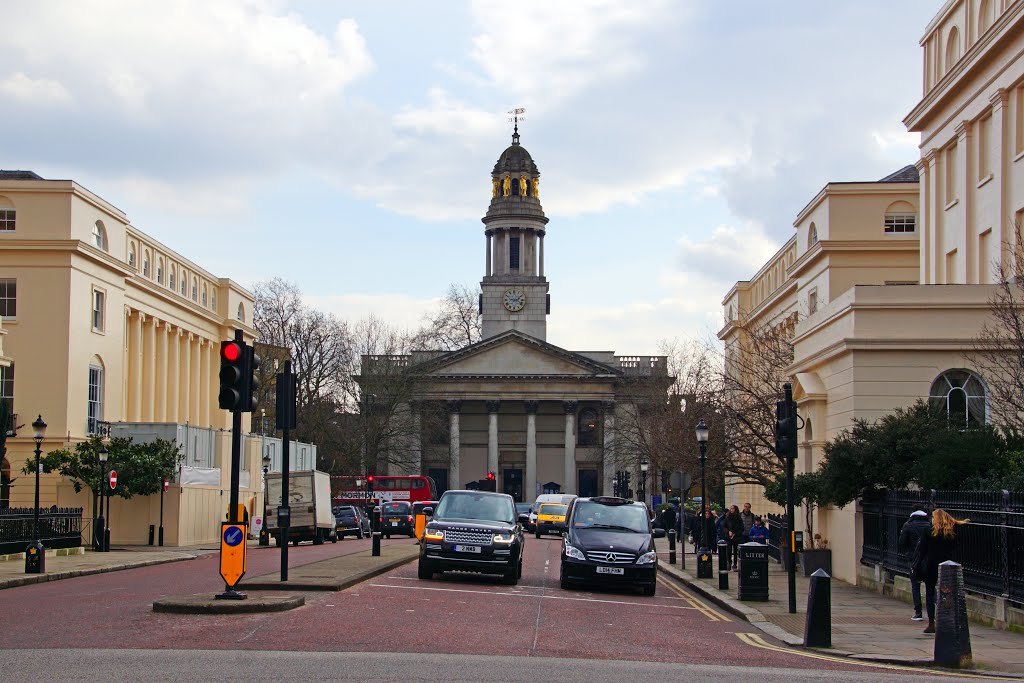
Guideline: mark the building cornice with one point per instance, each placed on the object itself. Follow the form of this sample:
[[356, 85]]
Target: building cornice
[[822, 248]]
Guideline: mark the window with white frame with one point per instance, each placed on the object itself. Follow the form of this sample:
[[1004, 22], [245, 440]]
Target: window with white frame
[[241, 313], [8, 298], [195, 289], [812, 301], [145, 265], [6, 219], [7, 391], [184, 284], [131, 256], [99, 310], [170, 279], [160, 272], [812, 236], [95, 407], [900, 223], [961, 394], [213, 299], [99, 235], [204, 295]]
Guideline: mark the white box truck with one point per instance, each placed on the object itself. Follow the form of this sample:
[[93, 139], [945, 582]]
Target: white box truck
[[309, 497]]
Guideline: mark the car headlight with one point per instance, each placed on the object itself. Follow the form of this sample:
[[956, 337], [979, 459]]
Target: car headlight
[[433, 535], [647, 558], [574, 552], [503, 538]]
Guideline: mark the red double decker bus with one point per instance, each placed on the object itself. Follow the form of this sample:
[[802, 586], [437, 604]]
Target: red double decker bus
[[353, 490]]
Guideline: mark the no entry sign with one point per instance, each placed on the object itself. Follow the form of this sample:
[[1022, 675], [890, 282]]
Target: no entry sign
[[167, 485], [113, 479]]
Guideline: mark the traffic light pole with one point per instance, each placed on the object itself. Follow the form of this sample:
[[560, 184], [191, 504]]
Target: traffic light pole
[[790, 514]]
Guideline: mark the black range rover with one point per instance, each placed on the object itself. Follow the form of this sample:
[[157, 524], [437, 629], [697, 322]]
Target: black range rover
[[473, 531], [610, 541]]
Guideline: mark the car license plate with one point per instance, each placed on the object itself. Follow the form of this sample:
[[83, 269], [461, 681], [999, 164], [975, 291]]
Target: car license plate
[[467, 549], [394, 523], [611, 570]]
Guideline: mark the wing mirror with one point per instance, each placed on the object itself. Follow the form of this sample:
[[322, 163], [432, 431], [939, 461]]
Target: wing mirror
[[523, 519], [659, 532], [428, 511]]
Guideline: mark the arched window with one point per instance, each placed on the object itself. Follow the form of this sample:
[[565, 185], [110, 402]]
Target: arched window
[[952, 48], [985, 16], [160, 271], [95, 404], [213, 299], [588, 427], [99, 235], [241, 313], [808, 431], [131, 256], [184, 283], [812, 235], [171, 281], [900, 218], [145, 264], [204, 294], [195, 289], [961, 394]]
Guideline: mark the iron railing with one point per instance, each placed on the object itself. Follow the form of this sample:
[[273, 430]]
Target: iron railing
[[58, 528], [777, 534], [990, 547]]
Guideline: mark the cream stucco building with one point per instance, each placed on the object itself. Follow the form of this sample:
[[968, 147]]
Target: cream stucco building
[[892, 286], [108, 331]]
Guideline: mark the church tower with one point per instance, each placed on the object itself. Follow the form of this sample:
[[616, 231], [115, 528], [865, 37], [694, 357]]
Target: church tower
[[515, 291]]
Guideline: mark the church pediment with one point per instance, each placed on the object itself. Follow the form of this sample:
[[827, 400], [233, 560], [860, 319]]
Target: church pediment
[[515, 354]]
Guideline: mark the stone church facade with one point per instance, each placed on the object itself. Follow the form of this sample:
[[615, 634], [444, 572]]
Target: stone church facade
[[539, 417]]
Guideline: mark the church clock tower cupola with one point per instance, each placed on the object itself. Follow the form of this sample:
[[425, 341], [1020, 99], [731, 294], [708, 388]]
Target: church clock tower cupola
[[515, 291]]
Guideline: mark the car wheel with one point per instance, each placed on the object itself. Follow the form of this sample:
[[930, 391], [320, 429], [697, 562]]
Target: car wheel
[[651, 588], [318, 538], [424, 571], [359, 534], [510, 578], [519, 569], [387, 536], [563, 582], [537, 534]]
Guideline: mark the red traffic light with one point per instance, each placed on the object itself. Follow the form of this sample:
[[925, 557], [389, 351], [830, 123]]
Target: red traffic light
[[369, 479], [490, 476], [231, 352]]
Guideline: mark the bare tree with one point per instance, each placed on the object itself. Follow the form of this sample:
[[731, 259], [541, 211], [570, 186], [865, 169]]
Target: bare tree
[[454, 325]]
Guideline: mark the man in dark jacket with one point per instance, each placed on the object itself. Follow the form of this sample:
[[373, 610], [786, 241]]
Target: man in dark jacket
[[909, 544], [668, 518], [748, 521]]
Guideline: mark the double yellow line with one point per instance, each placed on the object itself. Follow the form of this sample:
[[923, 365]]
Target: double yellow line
[[702, 607], [755, 640]]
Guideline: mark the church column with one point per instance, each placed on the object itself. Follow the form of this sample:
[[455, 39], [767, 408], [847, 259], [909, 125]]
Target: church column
[[488, 270], [185, 391], [135, 369], [569, 485], [148, 369], [965, 183], [541, 273], [160, 388], [1003, 230], [607, 487], [174, 374], [492, 436], [204, 384], [530, 486], [454, 482]]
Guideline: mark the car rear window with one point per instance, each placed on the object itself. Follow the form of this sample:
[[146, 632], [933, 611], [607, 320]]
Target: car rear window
[[553, 509], [395, 507]]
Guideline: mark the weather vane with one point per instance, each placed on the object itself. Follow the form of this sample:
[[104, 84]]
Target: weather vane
[[517, 116]]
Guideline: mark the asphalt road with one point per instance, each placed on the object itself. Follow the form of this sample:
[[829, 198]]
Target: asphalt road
[[394, 627]]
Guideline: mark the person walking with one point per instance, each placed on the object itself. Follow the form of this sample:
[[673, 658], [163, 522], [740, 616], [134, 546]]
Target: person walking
[[733, 534], [748, 521], [759, 532], [937, 547], [668, 518], [911, 536], [719, 529]]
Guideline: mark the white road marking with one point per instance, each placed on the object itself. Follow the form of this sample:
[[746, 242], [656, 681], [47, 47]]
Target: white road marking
[[527, 595]]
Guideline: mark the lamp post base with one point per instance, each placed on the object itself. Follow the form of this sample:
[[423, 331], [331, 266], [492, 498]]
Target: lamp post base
[[35, 558]]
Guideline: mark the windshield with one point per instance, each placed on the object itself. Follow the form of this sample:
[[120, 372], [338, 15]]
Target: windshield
[[553, 510], [479, 506], [523, 508], [625, 518]]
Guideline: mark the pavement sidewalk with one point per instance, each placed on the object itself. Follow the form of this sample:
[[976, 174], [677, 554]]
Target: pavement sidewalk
[[335, 573], [865, 625]]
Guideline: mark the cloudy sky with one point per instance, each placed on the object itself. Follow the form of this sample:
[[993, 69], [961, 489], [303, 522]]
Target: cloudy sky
[[348, 145]]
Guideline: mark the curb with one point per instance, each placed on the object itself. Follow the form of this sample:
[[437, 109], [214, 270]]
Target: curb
[[204, 604], [333, 586], [28, 579]]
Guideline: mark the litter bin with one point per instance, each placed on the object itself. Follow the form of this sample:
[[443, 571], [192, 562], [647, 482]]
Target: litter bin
[[753, 578], [419, 517]]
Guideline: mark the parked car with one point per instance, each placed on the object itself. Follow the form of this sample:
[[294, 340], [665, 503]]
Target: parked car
[[396, 518], [351, 521], [610, 541], [473, 531]]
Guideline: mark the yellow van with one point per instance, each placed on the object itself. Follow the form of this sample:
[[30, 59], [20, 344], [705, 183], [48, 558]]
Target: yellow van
[[551, 519]]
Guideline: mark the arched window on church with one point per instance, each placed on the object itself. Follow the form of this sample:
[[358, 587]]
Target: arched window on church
[[589, 427], [961, 394], [812, 235]]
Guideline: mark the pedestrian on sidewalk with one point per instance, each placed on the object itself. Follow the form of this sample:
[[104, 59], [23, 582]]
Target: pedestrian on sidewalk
[[703, 531], [911, 536], [733, 534], [720, 534], [668, 518], [748, 521], [937, 547], [759, 532]]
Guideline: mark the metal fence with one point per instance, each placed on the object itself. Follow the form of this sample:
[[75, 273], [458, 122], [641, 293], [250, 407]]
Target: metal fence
[[990, 548], [58, 528], [778, 532]]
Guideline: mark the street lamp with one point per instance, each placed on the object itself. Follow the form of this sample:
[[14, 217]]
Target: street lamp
[[702, 441], [644, 465], [264, 537], [101, 522], [35, 554]]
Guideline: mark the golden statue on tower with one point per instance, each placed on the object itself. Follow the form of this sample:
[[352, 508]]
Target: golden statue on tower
[[506, 186], [522, 186], [535, 186]]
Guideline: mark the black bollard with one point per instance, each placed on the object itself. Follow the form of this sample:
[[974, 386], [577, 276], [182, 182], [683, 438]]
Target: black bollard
[[152, 533], [952, 635], [671, 546], [704, 567], [723, 565], [818, 626], [375, 536]]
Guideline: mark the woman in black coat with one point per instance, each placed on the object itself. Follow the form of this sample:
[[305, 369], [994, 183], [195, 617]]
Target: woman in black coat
[[937, 547]]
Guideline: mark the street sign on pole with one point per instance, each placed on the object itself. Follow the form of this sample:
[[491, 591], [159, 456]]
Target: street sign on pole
[[232, 553], [167, 485], [680, 481], [113, 480]]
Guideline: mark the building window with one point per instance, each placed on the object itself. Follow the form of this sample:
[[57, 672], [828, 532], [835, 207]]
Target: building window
[[170, 279], [898, 223], [184, 286], [985, 16], [160, 272], [195, 289], [984, 154], [99, 235], [99, 310], [812, 301], [6, 219], [213, 299], [513, 253], [145, 265], [1020, 119], [8, 299], [241, 313], [589, 427], [204, 295], [812, 236], [961, 394], [952, 48], [131, 256], [7, 391], [95, 408], [950, 159]]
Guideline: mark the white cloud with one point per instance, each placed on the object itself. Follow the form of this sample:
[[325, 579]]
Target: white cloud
[[399, 310], [32, 92]]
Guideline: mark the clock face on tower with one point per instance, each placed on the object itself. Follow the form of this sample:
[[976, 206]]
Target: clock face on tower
[[513, 300]]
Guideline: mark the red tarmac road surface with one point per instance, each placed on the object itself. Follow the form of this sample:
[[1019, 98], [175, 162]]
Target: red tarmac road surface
[[396, 612]]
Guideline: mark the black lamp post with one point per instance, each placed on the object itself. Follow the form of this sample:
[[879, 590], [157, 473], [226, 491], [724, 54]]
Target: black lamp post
[[102, 521], [702, 441], [35, 554], [644, 466], [264, 537]]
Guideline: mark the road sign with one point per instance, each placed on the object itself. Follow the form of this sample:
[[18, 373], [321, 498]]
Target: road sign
[[680, 481], [167, 485], [232, 553], [113, 480]]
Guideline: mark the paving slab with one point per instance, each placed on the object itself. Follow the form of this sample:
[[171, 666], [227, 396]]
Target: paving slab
[[205, 603], [336, 573]]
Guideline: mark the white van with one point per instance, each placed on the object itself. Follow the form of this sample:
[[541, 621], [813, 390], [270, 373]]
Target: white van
[[563, 498]]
